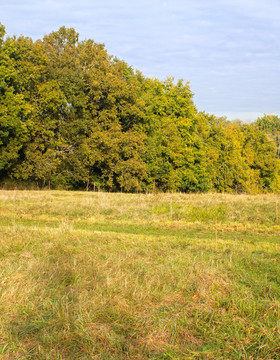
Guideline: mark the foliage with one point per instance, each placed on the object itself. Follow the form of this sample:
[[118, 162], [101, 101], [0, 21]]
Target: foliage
[[74, 117]]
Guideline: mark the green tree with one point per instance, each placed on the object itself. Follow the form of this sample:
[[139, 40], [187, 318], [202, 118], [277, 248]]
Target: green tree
[[16, 123], [271, 125], [260, 153]]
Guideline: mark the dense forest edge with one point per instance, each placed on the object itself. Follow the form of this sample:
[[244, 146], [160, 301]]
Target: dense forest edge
[[74, 117]]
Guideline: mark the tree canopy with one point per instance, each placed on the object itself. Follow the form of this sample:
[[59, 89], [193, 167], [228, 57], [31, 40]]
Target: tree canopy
[[74, 117]]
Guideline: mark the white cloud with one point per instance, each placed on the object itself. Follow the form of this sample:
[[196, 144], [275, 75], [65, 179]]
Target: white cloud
[[268, 10], [227, 49]]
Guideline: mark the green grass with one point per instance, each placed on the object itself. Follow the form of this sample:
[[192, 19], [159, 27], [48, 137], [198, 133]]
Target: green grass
[[126, 276]]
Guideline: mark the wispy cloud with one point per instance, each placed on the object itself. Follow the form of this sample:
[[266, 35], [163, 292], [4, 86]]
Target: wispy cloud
[[227, 49]]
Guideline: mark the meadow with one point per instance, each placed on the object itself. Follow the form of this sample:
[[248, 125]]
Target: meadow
[[115, 276]]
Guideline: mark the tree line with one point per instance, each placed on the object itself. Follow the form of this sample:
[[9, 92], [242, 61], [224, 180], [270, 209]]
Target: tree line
[[74, 117]]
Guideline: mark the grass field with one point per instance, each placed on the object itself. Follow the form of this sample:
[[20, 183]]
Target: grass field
[[123, 276]]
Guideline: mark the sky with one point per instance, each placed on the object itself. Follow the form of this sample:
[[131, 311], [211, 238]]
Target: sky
[[228, 50]]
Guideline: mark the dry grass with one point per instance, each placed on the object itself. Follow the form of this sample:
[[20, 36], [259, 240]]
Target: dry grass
[[122, 276]]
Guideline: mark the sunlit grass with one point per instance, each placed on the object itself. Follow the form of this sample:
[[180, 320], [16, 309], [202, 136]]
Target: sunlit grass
[[126, 276]]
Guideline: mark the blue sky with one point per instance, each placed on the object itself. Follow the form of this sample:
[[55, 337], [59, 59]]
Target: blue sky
[[229, 50]]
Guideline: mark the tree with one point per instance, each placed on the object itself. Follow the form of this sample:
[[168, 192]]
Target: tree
[[72, 116]]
